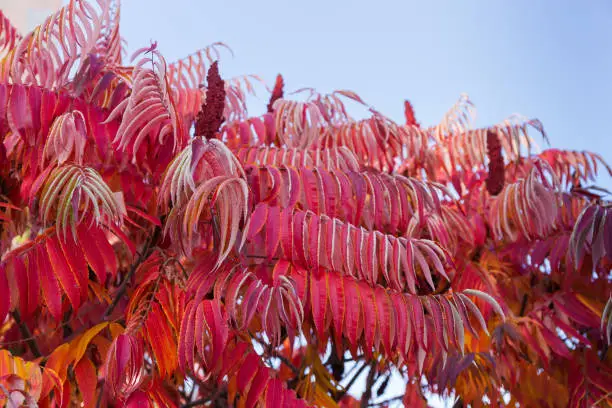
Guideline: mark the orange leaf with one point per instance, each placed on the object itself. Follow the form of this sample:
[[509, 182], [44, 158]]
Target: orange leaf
[[78, 347]]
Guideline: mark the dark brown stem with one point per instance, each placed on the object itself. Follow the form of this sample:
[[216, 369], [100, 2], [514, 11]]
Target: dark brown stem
[[66, 324], [288, 363], [387, 401], [523, 305], [367, 394], [27, 334], [122, 289], [195, 403], [351, 382], [271, 353], [189, 396], [213, 397], [458, 403]]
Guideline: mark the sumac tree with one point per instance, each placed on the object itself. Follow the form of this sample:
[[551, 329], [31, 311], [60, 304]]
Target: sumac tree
[[160, 247]]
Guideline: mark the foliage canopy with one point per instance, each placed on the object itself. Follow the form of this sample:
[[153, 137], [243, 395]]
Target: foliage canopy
[[161, 247]]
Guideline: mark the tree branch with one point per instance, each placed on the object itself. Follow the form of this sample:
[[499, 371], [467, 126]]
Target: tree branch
[[195, 403], [213, 397], [458, 403], [141, 257], [523, 305], [288, 363], [351, 382], [272, 353], [367, 394], [27, 334], [387, 401]]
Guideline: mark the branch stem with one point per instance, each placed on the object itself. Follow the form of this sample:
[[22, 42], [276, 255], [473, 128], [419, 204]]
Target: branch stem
[[351, 382], [367, 394], [123, 288], [27, 334]]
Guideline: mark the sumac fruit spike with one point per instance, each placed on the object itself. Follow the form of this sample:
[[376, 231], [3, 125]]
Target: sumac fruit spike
[[495, 180], [210, 117]]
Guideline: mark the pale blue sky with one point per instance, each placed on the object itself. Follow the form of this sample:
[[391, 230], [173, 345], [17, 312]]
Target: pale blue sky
[[546, 59]]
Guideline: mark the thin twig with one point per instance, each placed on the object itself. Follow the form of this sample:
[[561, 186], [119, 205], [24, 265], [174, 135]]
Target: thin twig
[[272, 353], [351, 382], [523, 305], [122, 289], [195, 403], [25, 332], [203, 401], [43, 333], [288, 363], [387, 401], [367, 394], [192, 392]]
